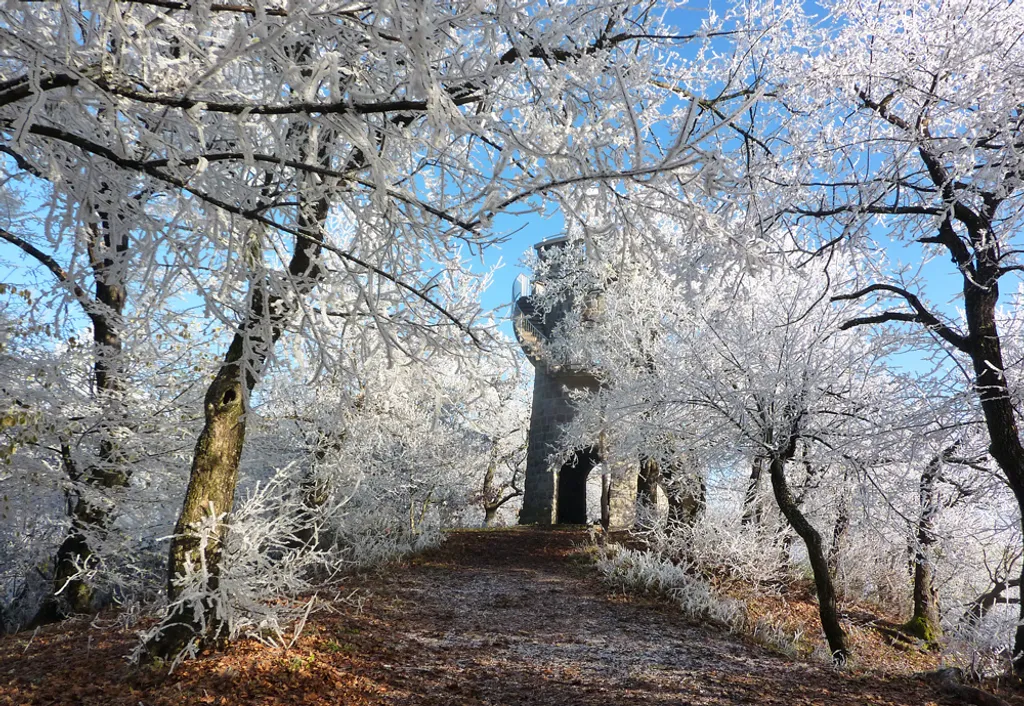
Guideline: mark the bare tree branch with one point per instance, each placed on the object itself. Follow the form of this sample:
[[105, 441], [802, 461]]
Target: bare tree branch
[[920, 315]]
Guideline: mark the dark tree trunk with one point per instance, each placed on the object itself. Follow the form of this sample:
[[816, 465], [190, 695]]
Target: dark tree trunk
[[967, 231], [490, 495], [828, 604], [495, 496], [686, 495], [648, 481], [1005, 446], [752, 509], [606, 504], [839, 532], [786, 538], [981, 296], [108, 250]]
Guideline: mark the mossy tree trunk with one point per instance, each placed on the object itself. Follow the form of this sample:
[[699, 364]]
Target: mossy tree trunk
[[926, 621], [214, 475]]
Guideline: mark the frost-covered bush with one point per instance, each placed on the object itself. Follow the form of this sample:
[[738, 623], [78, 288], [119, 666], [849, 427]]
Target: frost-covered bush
[[279, 550], [982, 648], [716, 544], [646, 572]]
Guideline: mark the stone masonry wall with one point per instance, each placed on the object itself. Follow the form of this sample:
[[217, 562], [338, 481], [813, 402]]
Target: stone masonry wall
[[552, 411]]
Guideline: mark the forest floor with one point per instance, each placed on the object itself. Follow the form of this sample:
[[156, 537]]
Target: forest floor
[[503, 618]]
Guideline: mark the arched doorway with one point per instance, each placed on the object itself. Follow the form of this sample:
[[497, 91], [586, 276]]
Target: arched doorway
[[571, 508]]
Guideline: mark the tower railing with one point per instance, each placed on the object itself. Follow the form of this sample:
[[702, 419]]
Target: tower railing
[[528, 334]]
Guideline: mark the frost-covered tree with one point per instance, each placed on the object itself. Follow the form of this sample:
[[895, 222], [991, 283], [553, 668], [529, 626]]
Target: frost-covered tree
[[51, 388], [900, 122], [713, 362], [311, 169]]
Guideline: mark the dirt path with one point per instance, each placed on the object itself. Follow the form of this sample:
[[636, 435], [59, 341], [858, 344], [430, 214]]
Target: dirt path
[[522, 625], [496, 618]]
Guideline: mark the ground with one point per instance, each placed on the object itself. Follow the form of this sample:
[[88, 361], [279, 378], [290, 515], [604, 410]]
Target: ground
[[490, 618]]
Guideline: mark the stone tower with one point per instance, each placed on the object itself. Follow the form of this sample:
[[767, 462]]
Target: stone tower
[[556, 494]]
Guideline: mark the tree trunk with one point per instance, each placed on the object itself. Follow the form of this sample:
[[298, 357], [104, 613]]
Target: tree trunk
[[828, 605], [752, 510], [839, 532], [494, 497], [606, 501], [647, 481], [926, 621], [786, 536], [981, 295], [108, 249], [488, 492], [686, 503], [315, 491], [211, 486], [210, 493]]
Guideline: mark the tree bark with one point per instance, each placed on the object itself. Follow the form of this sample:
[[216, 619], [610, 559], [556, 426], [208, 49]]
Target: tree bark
[[648, 480], [839, 532], [606, 504], [752, 510], [967, 231], [828, 604], [686, 504], [493, 498], [981, 296], [214, 475], [926, 621], [108, 250], [489, 493]]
